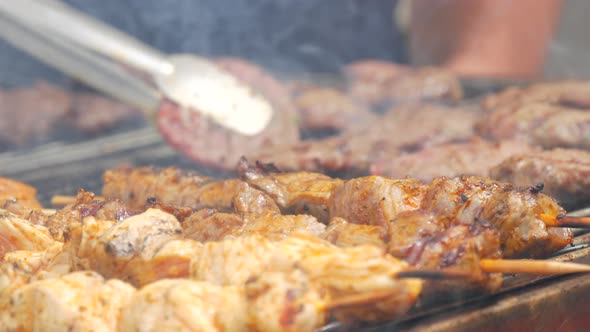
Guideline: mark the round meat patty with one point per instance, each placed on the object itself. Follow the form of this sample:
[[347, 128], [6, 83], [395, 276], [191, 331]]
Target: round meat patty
[[208, 143]]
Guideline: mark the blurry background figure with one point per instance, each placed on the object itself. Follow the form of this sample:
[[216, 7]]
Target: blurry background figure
[[502, 38]]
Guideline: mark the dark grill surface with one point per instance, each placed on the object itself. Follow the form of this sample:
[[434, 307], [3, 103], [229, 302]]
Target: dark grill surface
[[63, 168]]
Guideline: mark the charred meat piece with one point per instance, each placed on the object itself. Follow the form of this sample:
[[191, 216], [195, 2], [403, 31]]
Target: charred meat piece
[[375, 200], [518, 217], [136, 187], [31, 114], [563, 172], [379, 82], [460, 247], [404, 128], [85, 205], [210, 225], [327, 109], [516, 214], [476, 157], [208, 143], [297, 192]]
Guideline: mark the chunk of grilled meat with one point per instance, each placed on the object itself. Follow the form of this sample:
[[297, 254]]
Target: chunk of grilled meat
[[547, 114], [210, 225], [475, 157], [359, 270], [137, 186], [404, 128], [195, 136], [179, 305], [423, 241], [20, 234], [345, 234], [80, 301], [294, 193], [131, 249], [375, 200], [378, 82], [279, 301], [85, 205], [563, 172], [517, 214]]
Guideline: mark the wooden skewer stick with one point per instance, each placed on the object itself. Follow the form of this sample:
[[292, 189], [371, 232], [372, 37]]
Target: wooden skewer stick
[[531, 266], [565, 221], [436, 274], [63, 200]]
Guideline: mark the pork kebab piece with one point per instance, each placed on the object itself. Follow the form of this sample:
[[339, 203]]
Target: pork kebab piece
[[524, 218]]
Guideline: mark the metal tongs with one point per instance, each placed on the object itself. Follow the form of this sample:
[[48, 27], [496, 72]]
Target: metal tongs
[[100, 56]]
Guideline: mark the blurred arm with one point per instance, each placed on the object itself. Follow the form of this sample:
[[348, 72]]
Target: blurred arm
[[483, 37]]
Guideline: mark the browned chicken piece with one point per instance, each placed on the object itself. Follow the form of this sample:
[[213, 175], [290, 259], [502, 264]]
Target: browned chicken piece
[[294, 193], [20, 234], [210, 144], [234, 260], [80, 301], [571, 93], [359, 270], [377, 82], [517, 214], [34, 215], [375, 200], [279, 301], [405, 128], [322, 109], [185, 305], [86, 205], [172, 260], [136, 186], [25, 195], [345, 234], [125, 249], [476, 157], [562, 171]]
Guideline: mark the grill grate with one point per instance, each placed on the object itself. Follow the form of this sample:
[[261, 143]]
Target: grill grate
[[63, 168]]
